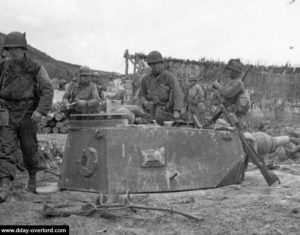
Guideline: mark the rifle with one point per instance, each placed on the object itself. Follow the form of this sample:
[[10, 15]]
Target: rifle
[[218, 114], [269, 176], [246, 73]]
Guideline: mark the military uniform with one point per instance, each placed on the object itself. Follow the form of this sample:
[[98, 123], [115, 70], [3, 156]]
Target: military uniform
[[164, 91], [87, 92], [25, 87], [196, 104], [230, 94]]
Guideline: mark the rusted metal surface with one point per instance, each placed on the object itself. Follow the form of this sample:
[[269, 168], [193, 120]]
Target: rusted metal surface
[[108, 158]]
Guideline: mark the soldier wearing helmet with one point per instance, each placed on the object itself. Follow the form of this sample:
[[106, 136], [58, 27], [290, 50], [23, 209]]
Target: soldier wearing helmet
[[195, 100], [231, 92], [99, 83], [26, 95], [82, 96], [160, 89]]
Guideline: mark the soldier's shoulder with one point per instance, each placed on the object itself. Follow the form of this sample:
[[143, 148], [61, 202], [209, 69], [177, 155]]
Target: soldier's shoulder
[[240, 81], [93, 85], [169, 74], [33, 65], [33, 62], [198, 86], [145, 77]]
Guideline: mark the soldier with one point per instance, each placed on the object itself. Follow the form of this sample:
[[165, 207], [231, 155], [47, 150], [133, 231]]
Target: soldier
[[160, 89], [74, 80], [82, 96], [26, 95], [99, 83], [231, 92], [195, 100]]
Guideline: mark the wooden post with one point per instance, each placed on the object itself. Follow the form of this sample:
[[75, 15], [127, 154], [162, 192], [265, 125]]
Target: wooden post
[[135, 59], [134, 67], [126, 56]]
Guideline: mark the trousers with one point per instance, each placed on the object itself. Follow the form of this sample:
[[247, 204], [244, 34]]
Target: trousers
[[198, 110], [21, 134]]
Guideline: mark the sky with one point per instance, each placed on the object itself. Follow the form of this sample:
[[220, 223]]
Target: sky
[[97, 32]]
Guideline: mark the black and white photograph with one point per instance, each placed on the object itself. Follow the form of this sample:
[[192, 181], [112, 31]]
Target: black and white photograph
[[137, 117]]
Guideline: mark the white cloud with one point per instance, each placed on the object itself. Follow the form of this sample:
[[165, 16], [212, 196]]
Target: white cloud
[[97, 32]]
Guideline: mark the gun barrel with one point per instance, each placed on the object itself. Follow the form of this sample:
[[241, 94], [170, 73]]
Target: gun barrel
[[246, 73]]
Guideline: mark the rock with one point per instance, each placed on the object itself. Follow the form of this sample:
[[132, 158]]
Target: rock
[[295, 211], [184, 200], [268, 229]]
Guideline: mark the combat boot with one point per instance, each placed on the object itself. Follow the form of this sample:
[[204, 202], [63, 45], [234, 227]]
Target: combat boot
[[4, 188], [31, 186], [39, 167]]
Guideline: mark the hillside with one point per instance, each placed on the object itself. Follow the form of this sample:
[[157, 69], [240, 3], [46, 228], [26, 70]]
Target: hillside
[[56, 68]]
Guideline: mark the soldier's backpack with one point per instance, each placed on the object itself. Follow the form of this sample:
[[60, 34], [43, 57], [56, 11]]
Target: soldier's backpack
[[243, 103]]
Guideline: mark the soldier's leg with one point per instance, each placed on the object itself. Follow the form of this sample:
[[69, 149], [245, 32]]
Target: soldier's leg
[[8, 149], [202, 109], [190, 112], [198, 111], [29, 147]]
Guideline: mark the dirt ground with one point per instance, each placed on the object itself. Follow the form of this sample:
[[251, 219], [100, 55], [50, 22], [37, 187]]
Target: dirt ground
[[249, 208]]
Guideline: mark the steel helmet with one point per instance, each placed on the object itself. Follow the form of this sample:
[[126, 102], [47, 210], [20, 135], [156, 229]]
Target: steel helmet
[[193, 78], [63, 82], [96, 74], [235, 65], [154, 57], [15, 39], [85, 71]]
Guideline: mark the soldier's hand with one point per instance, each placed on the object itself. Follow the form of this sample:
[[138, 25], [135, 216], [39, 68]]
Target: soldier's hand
[[70, 105], [216, 85], [81, 103], [36, 116], [148, 105], [176, 114]]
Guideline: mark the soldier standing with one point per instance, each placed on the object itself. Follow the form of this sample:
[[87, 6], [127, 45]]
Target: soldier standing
[[196, 100], [160, 89], [26, 95], [82, 96]]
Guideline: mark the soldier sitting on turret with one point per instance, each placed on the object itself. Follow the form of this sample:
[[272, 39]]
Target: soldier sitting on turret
[[82, 96], [160, 91]]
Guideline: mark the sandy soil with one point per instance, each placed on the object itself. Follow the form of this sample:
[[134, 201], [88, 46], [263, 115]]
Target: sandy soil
[[249, 208]]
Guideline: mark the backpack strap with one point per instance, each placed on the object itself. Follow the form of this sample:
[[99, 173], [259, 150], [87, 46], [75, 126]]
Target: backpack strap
[[3, 66]]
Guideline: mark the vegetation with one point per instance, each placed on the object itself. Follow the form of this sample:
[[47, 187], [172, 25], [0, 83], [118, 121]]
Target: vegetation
[[59, 69]]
